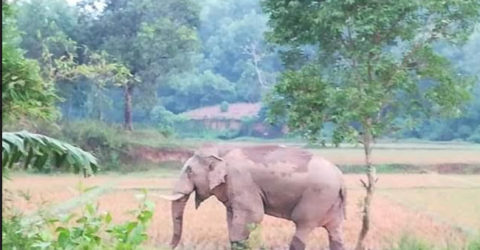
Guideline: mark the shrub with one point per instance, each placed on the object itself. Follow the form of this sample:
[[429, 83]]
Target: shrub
[[473, 244], [91, 230], [463, 132], [224, 107], [101, 139], [408, 242], [228, 134], [166, 120], [475, 137]]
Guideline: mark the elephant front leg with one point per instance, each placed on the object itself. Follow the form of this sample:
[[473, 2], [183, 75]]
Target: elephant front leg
[[302, 231], [238, 231]]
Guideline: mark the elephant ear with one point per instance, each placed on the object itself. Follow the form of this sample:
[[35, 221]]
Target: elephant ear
[[217, 172]]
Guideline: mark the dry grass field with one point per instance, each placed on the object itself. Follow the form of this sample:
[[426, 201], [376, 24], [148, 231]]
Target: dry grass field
[[443, 209], [438, 208]]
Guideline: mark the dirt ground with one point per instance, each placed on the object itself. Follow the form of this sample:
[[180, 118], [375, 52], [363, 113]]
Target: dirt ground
[[425, 205]]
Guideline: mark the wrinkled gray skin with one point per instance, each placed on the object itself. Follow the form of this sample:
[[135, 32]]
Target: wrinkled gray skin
[[252, 181]]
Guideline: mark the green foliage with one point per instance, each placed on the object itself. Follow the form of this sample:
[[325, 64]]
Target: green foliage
[[35, 150], [24, 92], [411, 242], [255, 238], [166, 120], [232, 32], [408, 242], [151, 39], [383, 169], [99, 138], [193, 90], [90, 230], [375, 63], [473, 244], [304, 95], [15, 235], [475, 136], [224, 106], [42, 20]]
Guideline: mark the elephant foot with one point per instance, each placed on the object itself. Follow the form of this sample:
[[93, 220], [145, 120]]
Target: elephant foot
[[297, 244], [239, 245], [335, 245]]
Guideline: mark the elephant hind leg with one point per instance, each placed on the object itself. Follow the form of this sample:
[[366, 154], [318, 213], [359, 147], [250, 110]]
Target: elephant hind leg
[[301, 235], [335, 234]]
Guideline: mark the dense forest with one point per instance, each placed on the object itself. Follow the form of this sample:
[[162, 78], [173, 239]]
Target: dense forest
[[144, 62]]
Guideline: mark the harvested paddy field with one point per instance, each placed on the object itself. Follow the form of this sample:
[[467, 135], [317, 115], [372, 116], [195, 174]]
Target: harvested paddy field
[[425, 205]]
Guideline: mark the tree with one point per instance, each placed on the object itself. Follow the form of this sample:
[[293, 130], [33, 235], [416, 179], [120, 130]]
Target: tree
[[152, 39], [464, 127], [41, 19], [24, 92], [375, 65], [193, 89], [232, 34], [52, 36]]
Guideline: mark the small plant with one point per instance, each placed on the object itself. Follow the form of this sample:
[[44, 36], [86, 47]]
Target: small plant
[[131, 234], [255, 239], [92, 230], [408, 242], [224, 107], [473, 244]]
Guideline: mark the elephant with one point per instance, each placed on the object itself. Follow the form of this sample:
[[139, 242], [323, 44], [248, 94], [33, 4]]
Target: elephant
[[252, 181]]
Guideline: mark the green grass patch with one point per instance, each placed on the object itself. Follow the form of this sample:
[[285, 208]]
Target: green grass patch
[[383, 169], [466, 169], [164, 168], [409, 242], [412, 242]]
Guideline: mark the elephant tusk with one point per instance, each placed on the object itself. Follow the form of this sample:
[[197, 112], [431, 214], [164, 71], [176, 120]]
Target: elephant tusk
[[217, 157], [172, 197]]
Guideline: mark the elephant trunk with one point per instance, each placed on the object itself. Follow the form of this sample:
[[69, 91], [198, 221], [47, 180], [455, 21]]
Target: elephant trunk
[[178, 207], [181, 192]]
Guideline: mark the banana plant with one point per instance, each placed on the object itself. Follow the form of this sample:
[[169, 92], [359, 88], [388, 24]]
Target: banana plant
[[38, 151]]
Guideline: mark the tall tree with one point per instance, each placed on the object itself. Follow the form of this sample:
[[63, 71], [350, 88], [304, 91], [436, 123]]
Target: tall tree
[[153, 39], [232, 34], [375, 64], [43, 19], [51, 34], [467, 126]]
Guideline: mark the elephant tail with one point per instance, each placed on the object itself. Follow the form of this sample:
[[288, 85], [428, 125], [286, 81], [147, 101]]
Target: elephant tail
[[343, 197]]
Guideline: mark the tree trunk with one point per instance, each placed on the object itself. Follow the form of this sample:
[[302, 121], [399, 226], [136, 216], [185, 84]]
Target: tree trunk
[[369, 187], [256, 57], [128, 89]]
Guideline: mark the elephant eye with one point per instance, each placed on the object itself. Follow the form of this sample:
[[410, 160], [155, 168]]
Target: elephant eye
[[188, 170]]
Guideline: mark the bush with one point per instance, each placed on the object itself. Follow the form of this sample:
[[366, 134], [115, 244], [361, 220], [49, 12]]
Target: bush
[[475, 137], [408, 242], [165, 120], [91, 230], [473, 244], [101, 139], [224, 107], [228, 134], [463, 132]]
